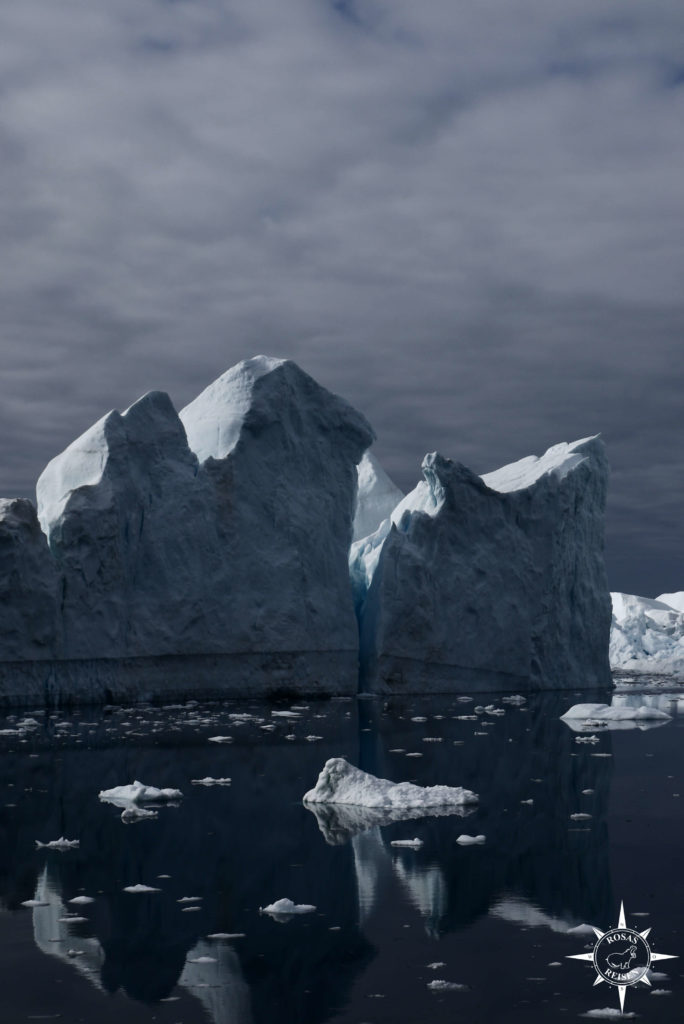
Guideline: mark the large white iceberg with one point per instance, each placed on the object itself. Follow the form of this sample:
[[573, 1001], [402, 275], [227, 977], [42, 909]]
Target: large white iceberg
[[647, 636], [222, 531], [341, 783], [613, 713], [489, 582]]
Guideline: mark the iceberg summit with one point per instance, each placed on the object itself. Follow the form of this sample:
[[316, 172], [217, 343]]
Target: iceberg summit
[[252, 545]]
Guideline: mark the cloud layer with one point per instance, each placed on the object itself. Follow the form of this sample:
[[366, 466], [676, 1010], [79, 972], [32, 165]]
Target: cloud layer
[[468, 219]]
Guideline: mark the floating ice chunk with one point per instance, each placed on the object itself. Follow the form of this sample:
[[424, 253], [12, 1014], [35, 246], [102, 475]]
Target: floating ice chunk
[[439, 985], [341, 783], [220, 739], [412, 844], [285, 908], [138, 793], [208, 781], [312, 739], [580, 817], [82, 899], [470, 840], [661, 992], [140, 888], [586, 739], [226, 935], [189, 899], [611, 713], [35, 903], [73, 919], [59, 844], [436, 965], [202, 960]]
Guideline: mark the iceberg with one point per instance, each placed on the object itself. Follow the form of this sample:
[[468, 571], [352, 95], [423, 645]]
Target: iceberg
[[489, 582], [219, 533], [647, 636], [138, 793], [341, 783], [590, 714]]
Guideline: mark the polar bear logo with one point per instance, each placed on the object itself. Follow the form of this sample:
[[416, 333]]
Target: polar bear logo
[[620, 961]]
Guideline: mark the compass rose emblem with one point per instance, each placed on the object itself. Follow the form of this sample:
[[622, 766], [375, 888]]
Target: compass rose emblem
[[622, 956]]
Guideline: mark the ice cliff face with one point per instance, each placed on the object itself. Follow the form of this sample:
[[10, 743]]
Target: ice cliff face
[[647, 636], [28, 585], [234, 543], [489, 582]]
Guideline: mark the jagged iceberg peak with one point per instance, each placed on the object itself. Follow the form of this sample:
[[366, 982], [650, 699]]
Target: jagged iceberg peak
[[496, 581], [557, 461], [147, 435], [340, 782], [259, 394], [376, 497], [675, 600]]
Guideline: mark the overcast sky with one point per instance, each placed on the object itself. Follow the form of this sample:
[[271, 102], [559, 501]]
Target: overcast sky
[[465, 217]]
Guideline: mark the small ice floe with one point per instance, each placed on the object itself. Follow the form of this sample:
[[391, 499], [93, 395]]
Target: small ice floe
[[398, 750], [131, 814], [515, 698], [202, 960], [586, 792], [411, 844], [432, 739], [209, 781], [35, 903], [82, 900], [439, 985], [312, 739], [530, 801], [341, 783], [189, 910], [59, 844], [586, 739], [470, 840], [189, 899], [555, 963], [285, 908], [72, 919], [436, 965], [419, 718], [138, 793], [613, 713], [226, 935], [661, 992], [414, 754], [139, 887], [580, 816], [285, 714], [220, 739]]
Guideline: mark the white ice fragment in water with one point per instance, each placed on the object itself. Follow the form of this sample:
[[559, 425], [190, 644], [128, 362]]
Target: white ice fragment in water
[[285, 714], [414, 754], [439, 985], [189, 899], [226, 935], [611, 713], [661, 992], [82, 899], [286, 907], [138, 793], [59, 844], [586, 739], [140, 888], [312, 739], [74, 919], [419, 718], [580, 817], [35, 903], [220, 739], [438, 963], [209, 781], [412, 844], [202, 960], [608, 1013], [470, 840], [586, 792], [341, 783], [530, 801]]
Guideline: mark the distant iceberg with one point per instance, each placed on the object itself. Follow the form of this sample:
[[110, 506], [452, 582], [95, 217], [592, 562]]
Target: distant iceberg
[[647, 636], [341, 783]]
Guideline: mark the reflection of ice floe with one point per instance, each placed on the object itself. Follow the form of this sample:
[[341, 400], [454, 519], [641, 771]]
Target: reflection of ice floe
[[60, 844], [53, 935], [617, 715], [341, 783], [426, 889], [520, 911], [341, 822], [213, 975]]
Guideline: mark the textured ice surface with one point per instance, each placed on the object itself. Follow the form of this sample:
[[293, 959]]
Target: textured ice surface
[[285, 906], [489, 582], [376, 498], [28, 585], [675, 600], [341, 783], [647, 636]]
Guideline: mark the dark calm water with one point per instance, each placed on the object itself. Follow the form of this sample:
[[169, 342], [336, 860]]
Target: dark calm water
[[496, 917]]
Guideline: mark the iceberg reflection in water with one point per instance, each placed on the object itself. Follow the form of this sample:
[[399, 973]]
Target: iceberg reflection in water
[[383, 912]]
